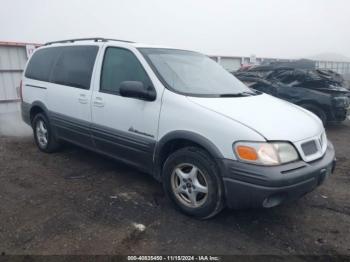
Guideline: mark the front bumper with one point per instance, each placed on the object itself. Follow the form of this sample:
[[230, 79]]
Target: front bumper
[[249, 185]]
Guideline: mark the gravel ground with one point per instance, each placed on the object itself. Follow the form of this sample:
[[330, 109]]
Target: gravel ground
[[77, 202]]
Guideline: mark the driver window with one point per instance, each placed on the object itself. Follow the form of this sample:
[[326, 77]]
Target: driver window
[[121, 65]]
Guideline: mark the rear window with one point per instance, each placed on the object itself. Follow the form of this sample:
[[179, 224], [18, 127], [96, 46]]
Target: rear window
[[41, 63], [71, 65]]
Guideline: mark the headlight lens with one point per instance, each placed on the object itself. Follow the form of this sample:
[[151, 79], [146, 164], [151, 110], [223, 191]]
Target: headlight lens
[[269, 154]]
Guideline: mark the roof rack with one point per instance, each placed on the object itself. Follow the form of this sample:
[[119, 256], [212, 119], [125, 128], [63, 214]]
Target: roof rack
[[95, 39]]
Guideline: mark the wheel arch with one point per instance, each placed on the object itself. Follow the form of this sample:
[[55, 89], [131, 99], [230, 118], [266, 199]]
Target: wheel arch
[[179, 139], [37, 107]]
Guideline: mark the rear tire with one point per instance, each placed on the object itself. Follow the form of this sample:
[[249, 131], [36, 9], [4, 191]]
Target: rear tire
[[192, 181], [44, 137]]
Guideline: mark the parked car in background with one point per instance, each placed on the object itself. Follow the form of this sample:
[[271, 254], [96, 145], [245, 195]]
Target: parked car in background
[[179, 116], [322, 92]]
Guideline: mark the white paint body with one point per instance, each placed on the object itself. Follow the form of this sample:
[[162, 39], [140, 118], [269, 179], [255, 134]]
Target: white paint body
[[119, 112], [223, 121]]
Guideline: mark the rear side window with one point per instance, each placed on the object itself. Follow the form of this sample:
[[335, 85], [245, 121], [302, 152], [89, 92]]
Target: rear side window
[[69, 65], [121, 65], [74, 66], [41, 63]]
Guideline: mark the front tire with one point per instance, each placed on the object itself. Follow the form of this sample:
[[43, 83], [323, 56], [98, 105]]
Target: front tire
[[44, 137], [191, 180]]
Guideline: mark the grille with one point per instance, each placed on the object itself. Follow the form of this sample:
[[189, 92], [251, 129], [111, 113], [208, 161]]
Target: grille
[[309, 148]]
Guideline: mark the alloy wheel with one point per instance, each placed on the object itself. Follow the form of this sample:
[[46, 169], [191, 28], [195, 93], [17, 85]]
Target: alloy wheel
[[41, 133], [189, 185]]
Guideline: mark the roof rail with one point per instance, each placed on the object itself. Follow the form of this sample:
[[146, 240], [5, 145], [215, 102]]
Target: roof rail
[[95, 39]]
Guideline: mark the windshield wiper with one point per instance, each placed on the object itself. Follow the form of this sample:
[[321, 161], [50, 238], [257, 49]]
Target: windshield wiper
[[242, 94]]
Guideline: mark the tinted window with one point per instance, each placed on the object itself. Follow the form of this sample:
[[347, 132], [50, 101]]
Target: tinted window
[[74, 66], [41, 63], [121, 65]]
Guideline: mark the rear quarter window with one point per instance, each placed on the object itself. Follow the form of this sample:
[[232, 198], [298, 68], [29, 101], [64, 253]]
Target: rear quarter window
[[41, 63], [66, 65]]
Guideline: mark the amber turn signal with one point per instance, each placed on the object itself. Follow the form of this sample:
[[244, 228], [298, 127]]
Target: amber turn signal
[[247, 153]]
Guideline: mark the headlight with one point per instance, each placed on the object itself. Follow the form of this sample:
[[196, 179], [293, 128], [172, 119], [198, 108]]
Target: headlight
[[341, 101], [269, 154]]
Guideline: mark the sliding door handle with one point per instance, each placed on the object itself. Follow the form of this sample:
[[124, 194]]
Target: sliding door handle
[[82, 99]]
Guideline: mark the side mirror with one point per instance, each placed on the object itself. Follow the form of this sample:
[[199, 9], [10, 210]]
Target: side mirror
[[136, 89]]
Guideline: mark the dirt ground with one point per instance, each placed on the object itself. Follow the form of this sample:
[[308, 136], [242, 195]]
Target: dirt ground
[[77, 202]]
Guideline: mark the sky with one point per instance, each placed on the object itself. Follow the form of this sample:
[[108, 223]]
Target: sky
[[265, 28]]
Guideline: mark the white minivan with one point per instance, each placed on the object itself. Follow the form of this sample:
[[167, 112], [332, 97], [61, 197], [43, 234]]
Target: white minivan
[[179, 116]]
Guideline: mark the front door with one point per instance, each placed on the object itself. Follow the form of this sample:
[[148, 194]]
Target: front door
[[124, 128]]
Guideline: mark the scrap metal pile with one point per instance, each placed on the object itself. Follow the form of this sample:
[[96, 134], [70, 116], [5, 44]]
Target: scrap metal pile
[[321, 91], [322, 79]]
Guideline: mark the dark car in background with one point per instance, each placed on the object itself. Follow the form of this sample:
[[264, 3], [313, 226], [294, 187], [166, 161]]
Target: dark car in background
[[323, 92]]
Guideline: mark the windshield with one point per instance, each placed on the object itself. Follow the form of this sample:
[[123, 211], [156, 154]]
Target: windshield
[[191, 73]]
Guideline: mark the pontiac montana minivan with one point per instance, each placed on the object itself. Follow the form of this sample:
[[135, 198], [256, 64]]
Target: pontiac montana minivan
[[179, 116]]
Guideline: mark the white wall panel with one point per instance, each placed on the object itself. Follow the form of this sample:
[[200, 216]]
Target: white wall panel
[[12, 62]]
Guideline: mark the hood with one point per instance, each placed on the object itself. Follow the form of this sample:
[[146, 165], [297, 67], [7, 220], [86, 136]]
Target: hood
[[273, 118]]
